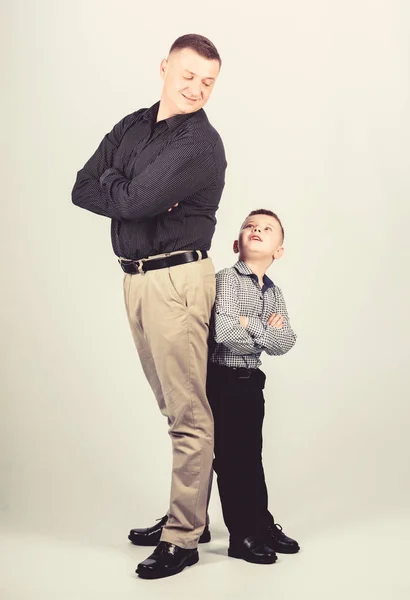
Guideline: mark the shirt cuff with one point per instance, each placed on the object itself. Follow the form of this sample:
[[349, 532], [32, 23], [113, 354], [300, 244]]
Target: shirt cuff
[[107, 173], [255, 327]]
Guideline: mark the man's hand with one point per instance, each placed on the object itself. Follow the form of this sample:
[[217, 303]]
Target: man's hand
[[276, 320], [244, 321], [173, 207]]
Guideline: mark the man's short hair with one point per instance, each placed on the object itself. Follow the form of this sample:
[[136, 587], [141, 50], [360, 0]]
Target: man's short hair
[[200, 44], [269, 213]]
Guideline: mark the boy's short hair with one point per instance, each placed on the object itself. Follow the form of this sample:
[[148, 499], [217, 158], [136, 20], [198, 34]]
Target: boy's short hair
[[199, 43], [269, 213]]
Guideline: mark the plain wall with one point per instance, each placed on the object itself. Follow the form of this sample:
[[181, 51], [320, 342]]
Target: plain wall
[[312, 104]]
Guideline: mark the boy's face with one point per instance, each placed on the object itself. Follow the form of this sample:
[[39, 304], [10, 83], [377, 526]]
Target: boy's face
[[260, 237], [188, 80]]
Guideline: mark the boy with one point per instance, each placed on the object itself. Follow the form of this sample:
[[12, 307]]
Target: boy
[[249, 316]]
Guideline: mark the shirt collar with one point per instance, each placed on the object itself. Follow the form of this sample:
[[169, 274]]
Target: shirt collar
[[243, 269], [172, 122]]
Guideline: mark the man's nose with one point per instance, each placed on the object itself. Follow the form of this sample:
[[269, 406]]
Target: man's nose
[[195, 91]]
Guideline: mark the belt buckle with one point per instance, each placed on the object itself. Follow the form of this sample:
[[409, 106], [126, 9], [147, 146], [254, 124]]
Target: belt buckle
[[139, 264], [243, 373]]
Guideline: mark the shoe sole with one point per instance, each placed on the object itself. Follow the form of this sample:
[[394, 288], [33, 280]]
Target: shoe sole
[[192, 560], [290, 551], [262, 561], [146, 542], [142, 542]]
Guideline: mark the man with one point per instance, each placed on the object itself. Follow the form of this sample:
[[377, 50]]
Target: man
[[159, 175]]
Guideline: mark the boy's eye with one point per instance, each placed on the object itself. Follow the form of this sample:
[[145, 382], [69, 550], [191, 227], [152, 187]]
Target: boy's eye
[[188, 78]]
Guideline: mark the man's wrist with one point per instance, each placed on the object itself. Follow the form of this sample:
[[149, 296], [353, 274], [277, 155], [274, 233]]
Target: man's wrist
[[107, 173]]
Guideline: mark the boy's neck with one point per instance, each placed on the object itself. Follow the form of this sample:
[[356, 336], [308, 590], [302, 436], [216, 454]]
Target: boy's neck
[[259, 267]]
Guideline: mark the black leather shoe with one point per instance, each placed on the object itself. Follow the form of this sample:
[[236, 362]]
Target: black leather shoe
[[251, 550], [166, 560], [280, 542], [151, 535]]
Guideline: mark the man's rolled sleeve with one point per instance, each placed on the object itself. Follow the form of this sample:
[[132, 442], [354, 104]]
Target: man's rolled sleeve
[[87, 192], [179, 171]]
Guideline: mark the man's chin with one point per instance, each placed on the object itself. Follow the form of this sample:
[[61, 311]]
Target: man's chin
[[183, 110], [188, 107]]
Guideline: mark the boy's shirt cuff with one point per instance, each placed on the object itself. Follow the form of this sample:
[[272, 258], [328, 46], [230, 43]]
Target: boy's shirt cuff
[[255, 327]]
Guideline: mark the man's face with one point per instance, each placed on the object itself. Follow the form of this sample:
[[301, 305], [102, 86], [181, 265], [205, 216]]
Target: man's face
[[260, 236], [188, 80]]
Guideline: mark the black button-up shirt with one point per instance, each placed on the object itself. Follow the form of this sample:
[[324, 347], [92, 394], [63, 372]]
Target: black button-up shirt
[[142, 168]]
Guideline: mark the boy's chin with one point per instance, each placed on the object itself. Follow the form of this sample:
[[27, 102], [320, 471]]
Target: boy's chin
[[253, 254]]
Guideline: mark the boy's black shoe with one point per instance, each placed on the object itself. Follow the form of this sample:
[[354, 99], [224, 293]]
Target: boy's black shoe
[[166, 560], [280, 542], [150, 536], [251, 550]]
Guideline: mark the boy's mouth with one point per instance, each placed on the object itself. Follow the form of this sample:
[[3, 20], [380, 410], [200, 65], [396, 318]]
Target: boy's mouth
[[255, 237]]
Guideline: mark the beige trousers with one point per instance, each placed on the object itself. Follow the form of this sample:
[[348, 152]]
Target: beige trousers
[[169, 312]]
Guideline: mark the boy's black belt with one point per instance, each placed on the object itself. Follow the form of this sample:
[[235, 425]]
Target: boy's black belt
[[132, 267], [237, 372]]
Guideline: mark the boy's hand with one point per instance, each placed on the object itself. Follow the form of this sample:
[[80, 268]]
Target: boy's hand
[[276, 320], [244, 321]]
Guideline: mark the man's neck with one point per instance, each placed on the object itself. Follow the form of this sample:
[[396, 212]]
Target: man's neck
[[165, 110]]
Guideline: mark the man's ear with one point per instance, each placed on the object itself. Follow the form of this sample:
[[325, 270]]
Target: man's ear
[[163, 67], [236, 247]]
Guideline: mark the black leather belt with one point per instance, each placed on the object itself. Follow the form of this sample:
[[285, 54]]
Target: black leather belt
[[132, 267]]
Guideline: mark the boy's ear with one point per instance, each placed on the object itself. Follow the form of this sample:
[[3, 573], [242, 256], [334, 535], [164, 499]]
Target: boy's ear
[[236, 247], [278, 253]]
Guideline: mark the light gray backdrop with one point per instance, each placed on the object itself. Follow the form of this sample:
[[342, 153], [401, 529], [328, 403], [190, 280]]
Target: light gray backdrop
[[313, 106]]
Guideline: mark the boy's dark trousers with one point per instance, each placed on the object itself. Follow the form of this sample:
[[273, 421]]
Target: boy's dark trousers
[[238, 406]]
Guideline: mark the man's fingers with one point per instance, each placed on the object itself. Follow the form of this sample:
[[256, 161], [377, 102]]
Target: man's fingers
[[173, 207]]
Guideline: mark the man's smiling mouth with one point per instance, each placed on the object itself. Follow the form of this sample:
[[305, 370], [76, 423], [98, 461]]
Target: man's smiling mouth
[[191, 99]]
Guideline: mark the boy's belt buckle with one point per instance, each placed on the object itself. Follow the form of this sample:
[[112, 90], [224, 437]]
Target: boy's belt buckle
[[243, 373]]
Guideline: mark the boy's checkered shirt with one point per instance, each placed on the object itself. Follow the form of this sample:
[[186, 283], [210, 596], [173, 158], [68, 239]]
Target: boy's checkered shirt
[[238, 293]]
